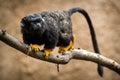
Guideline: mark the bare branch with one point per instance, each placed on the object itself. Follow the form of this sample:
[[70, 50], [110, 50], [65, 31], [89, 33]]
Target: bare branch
[[60, 58]]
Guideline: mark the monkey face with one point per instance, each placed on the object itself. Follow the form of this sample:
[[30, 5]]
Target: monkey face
[[33, 23]]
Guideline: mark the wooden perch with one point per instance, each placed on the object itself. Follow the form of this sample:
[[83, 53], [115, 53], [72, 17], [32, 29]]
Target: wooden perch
[[60, 58]]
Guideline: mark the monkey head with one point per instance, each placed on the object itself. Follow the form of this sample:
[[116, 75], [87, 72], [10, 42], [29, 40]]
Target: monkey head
[[33, 23]]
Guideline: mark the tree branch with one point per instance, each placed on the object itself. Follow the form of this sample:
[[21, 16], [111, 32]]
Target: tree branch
[[60, 58]]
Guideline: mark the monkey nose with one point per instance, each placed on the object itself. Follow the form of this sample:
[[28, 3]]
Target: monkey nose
[[39, 25]]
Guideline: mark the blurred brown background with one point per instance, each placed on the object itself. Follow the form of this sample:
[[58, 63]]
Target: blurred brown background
[[105, 15]]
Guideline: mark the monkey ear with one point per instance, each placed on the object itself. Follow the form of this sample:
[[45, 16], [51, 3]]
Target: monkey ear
[[22, 25]]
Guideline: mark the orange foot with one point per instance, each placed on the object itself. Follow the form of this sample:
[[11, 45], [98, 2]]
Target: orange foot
[[35, 47], [62, 49]]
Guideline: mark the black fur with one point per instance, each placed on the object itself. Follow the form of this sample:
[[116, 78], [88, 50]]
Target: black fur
[[54, 28]]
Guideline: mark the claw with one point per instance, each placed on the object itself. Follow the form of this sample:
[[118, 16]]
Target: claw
[[47, 52], [35, 47]]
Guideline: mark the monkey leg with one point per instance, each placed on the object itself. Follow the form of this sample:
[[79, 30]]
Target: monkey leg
[[47, 52], [35, 47]]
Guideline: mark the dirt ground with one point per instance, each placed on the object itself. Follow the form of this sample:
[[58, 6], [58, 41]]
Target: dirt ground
[[105, 15]]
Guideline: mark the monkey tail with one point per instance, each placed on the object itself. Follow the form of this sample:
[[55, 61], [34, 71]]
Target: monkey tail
[[92, 32]]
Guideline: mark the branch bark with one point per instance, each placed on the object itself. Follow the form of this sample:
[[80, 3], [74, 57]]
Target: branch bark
[[60, 58]]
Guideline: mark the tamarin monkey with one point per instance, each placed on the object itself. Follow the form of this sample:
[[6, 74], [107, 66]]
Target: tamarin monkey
[[54, 28]]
